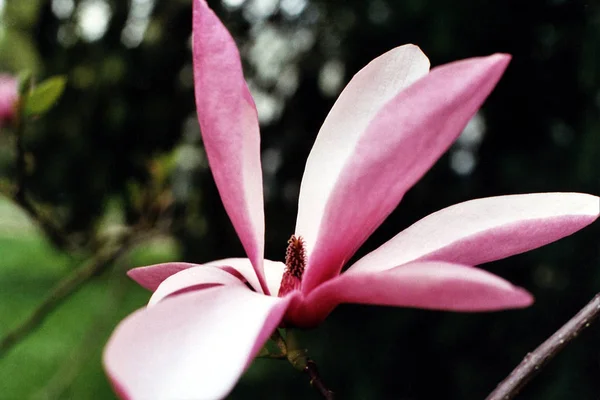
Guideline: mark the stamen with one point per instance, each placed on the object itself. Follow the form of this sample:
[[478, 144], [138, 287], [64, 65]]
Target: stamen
[[295, 256], [295, 261]]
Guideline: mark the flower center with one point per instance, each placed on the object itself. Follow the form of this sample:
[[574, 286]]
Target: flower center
[[295, 261]]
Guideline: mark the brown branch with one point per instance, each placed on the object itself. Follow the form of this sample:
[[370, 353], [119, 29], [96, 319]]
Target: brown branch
[[536, 360], [299, 359], [64, 289], [52, 231], [315, 380], [71, 366]]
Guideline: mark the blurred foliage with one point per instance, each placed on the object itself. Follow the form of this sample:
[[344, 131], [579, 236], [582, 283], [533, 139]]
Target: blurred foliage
[[41, 98], [123, 140]]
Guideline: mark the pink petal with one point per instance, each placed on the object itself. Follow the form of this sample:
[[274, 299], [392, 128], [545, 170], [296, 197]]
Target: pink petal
[[192, 346], [429, 285], [273, 271], [200, 277], [229, 125], [366, 94], [483, 230], [152, 276], [400, 144]]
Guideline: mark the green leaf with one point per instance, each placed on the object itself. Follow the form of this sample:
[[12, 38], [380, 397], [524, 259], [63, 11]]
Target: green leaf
[[44, 96], [25, 79]]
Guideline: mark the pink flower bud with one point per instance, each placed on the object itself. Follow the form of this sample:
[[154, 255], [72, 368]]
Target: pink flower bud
[[8, 98]]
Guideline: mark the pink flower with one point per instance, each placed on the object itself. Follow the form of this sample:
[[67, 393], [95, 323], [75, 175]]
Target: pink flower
[[8, 98], [205, 323]]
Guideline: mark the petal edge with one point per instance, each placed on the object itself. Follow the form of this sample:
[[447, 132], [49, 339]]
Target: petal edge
[[483, 230], [427, 285], [229, 125], [192, 346]]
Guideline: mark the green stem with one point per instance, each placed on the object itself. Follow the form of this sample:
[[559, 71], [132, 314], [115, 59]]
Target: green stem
[[279, 342], [298, 357]]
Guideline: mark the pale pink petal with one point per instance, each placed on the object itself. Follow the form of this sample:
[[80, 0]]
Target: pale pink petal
[[200, 277], [400, 144], [192, 346], [483, 230], [429, 285], [273, 271], [152, 276], [229, 125], [366, 94]]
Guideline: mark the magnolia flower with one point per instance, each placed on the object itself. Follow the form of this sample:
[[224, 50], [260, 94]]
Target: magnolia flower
[[8, 98], [204, 323]]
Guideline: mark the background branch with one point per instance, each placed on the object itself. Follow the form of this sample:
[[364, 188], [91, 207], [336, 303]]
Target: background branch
[[68, 371], [52, 231], [21, 164], [65, 288], [536, 360]]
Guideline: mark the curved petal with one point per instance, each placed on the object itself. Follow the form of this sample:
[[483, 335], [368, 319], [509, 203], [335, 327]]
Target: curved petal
[[192, 346], [429, 285], [229, 125], [483, 230], [273, 271], [200, 277], [364, 96], [400, 144], [151, 276]]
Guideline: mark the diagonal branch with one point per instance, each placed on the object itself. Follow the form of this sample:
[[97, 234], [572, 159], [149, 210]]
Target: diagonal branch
[[536, 360], [52, 231], [64, 289], [68, 371]]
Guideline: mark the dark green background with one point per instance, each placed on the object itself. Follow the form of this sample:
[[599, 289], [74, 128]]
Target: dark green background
[[127, 108]]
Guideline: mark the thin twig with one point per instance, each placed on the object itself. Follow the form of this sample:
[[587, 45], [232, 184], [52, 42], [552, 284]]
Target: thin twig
[[21, 164], [65, 288], [316, 381], [536, 360], [73, 363], [298, 357], [52, 231]]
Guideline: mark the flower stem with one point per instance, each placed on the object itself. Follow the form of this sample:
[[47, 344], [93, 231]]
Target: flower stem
[[533, 362], [298, 357], [275, 348], [315, 380]]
